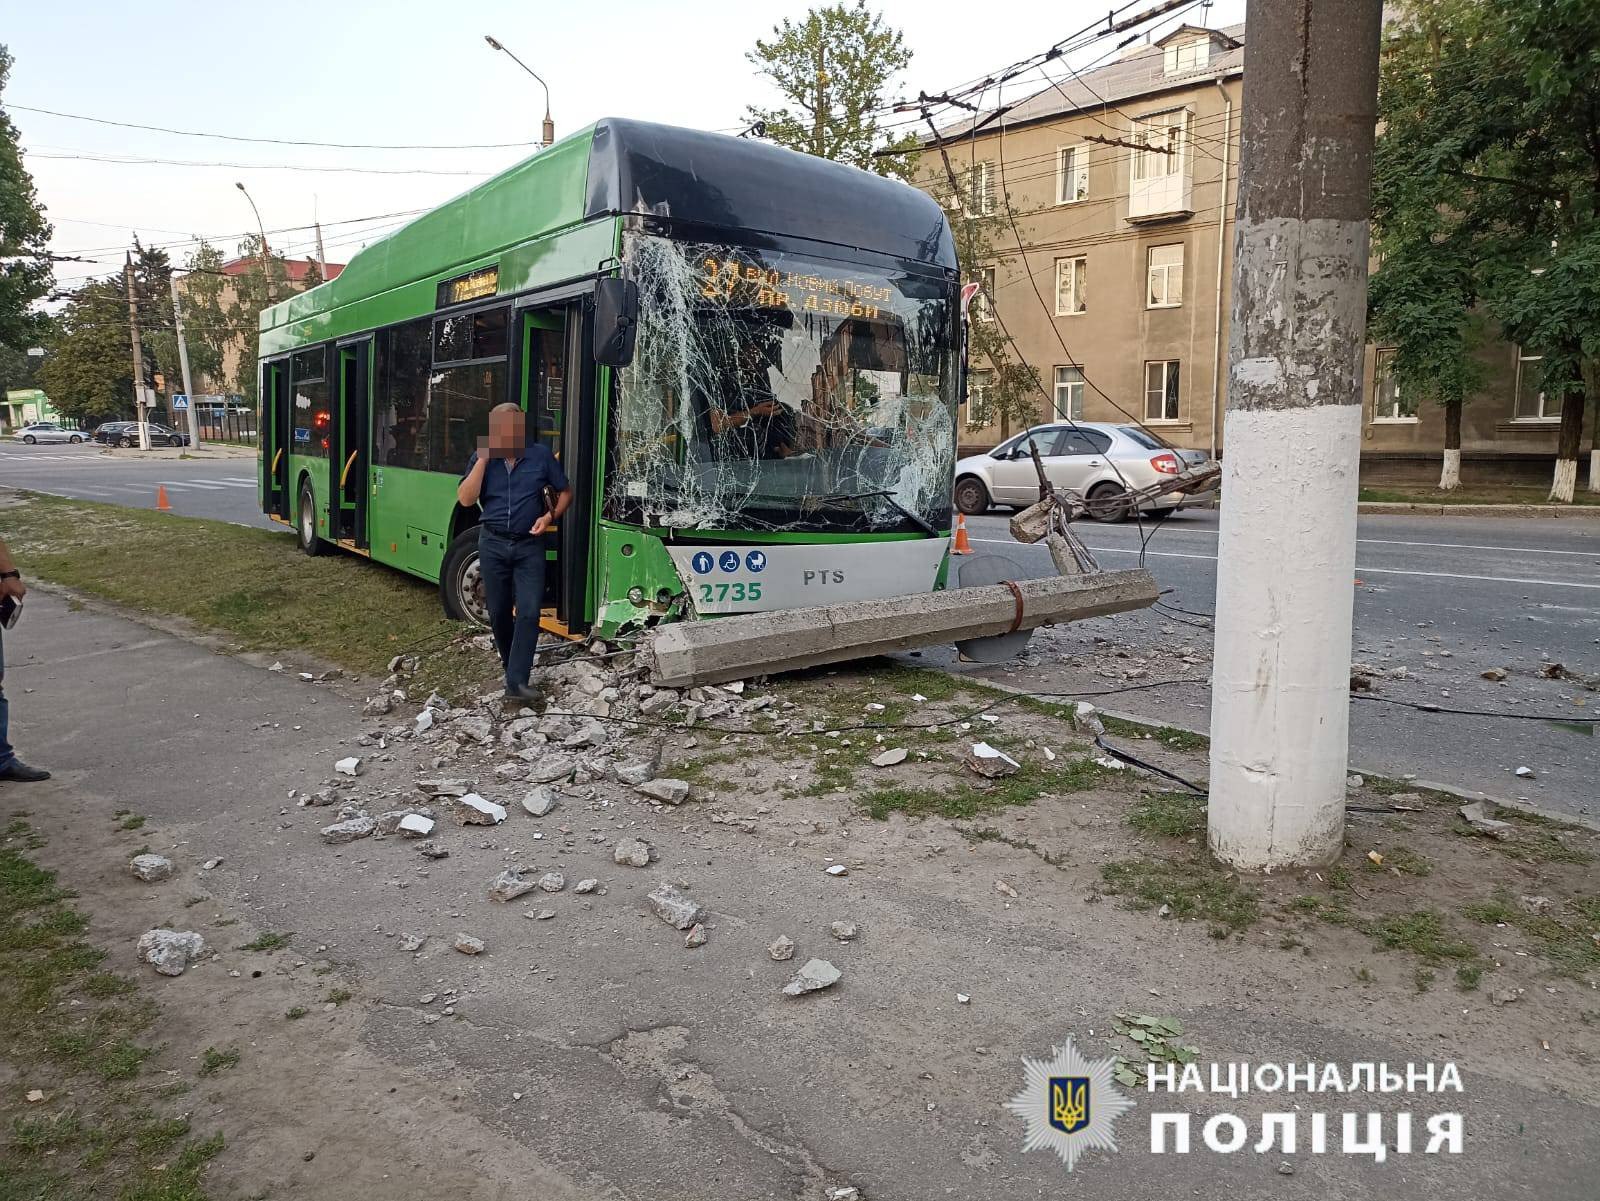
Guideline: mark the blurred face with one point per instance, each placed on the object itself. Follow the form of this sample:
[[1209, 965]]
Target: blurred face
[[508, 432]]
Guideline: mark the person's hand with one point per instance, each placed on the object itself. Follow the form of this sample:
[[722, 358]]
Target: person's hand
[[541, 525], [13, 588], [766, 408]]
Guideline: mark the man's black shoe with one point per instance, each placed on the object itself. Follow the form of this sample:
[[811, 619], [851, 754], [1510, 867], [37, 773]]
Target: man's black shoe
[[20, 772], [522, 692]]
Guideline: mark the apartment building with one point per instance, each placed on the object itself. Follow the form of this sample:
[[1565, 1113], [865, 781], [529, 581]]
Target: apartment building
[[1122, 181]]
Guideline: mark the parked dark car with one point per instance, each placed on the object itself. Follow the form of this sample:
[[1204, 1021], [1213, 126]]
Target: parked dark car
[[160, 435], [107, 431]]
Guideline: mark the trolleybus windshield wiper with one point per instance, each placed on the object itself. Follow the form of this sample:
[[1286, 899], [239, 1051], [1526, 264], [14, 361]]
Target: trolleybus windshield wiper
[[921, 522]]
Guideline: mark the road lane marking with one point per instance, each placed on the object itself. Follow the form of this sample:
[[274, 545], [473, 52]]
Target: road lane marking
[[1437, 575], [228, 483], [205, 487]]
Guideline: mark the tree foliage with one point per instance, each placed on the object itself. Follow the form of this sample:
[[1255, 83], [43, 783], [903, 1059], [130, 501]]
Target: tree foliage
[[88, 366], [833, 69], [25, 272]]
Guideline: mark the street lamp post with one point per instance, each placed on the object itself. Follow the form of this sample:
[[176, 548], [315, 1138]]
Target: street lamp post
[[266, 256], [549, 130]]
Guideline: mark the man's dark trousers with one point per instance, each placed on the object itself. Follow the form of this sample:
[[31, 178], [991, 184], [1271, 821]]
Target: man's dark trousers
[[513, 578], [6, 754]]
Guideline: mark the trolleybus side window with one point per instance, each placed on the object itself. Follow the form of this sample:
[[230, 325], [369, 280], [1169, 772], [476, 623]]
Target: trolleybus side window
[[312, 417], [469, 378], [405, 360]]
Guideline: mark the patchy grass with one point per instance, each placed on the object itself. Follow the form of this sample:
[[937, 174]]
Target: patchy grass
[[1171, 814], [213, 1061], [133, 821], [1538, 839], [338, 996], [1403, 860], [1468, 975], [73, 1030], [295, 1014], [1195, 888], [1568, 945], [1480, 494], [967, 800], [1423, 933], [268, 941], [1170, 736], [257, 590]]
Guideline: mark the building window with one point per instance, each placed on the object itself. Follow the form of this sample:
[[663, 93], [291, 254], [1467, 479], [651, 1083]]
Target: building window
[[1187, 56], [1161, 390], [1530, 403], [980, 399], [1160, 137], [1072, 283], [1072, 174], [982, 304], [1387, 402], [1164, 277], [980, 189], [1069, 392]]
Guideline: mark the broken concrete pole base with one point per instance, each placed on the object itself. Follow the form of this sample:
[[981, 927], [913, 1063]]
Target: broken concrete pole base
[[169, 951]]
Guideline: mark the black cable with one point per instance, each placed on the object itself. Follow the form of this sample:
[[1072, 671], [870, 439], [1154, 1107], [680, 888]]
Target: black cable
[[1428, 707], [1100, 741]]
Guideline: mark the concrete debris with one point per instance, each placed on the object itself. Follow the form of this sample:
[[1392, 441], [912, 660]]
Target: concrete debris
[[1110, 763], [151, 868], [1477, 815], [963, 999], [781, 948], [348, 831], [473, 810], [543, 915], [658, 702], [1555, 671], [1494, 673], [508, 886], [552, 882], [1400, 673], [988, 762], [1355, 780], [586, 886], [890, 757], [412, 943], [444, 788], [539, 802], [428, 849], [843, 931], [1005, 890], [815, 976], [1086, 719], [676, 908], [838, 869], [35, 1096], [1505, 996], [468, 945], [276, 666], [697, 936], [633, 852], [211, 865], [378, 706], [350, 766], [321, 797], [393, 821], [1538, 906], [634, 773], [424, 721], [667, 791], [169, 951], [416, 825], [1524, 773], [847, 1192], [551, 768], [1360, 683]]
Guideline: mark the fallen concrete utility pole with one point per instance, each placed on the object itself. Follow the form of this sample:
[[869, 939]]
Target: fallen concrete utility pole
[[730, 648]]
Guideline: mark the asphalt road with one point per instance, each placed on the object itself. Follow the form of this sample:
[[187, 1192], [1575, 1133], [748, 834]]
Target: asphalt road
[[219, 488], [1445, 598]]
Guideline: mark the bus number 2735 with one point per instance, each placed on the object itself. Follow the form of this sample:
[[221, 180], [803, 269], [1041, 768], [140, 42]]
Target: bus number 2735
[[736, 591]]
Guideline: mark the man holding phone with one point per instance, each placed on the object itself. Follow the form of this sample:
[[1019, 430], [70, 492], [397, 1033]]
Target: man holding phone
[[523, 492], [12, 591]]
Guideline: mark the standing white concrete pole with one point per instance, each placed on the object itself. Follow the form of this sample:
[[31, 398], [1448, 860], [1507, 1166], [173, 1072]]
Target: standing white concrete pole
[[183, 362], [139, 394], [1286, 557]]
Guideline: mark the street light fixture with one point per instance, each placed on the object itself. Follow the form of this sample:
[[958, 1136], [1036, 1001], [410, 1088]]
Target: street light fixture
[[266, 256], [549, 125]]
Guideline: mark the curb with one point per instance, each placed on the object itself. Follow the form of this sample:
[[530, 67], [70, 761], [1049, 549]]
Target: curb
[[1589, 512], [181, 452]]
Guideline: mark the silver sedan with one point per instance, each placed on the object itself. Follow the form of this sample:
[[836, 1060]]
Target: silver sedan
[[47, 431]]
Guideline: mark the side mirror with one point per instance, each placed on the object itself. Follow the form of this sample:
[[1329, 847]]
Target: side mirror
[[616, 320]]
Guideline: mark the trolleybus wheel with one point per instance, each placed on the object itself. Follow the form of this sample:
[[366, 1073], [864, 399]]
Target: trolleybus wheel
[[305, 528], [461, 583]]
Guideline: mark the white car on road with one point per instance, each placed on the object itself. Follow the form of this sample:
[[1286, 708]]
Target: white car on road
[[1099, 460], [47, 431]]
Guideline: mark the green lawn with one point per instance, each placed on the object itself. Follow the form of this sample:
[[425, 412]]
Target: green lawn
[[1504, 494]]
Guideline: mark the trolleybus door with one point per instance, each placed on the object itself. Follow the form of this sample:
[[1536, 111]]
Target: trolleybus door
[[349, 465], [274, 426], [542, 344]]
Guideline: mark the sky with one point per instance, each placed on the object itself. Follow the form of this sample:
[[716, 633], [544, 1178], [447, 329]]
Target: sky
[[407, 73]]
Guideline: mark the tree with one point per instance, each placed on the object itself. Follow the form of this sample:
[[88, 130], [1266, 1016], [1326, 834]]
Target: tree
[[24, 233], [833, 68], [87, 370], [207, 325]]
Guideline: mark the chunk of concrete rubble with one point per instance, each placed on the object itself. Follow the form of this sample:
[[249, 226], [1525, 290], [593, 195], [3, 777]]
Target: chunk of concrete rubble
[[846, 1192], [543, 915], [412, 943], [988, 762], [1355, 780], [151, 868], [441, 787], [843, 931], [781, 948], [508, 886], [837, 869], [890, 757], [658, 702], [1495, 674], [1005, 890], [1478, 816], [416, 825], [698, 936], [349, 830], [321, 797], [675, 907], [815, 976], [348, 766], [539, 802], [423, 722], [1524, 773], [392, 821], [550, 768], [378, 706], [468, 945], [1086, 719], [429, 849], [586, 886], [211, 865], [634, 852], [634, 773], [473, 810], [169, 951], [1537, 906], [552, 882], [666, 790]]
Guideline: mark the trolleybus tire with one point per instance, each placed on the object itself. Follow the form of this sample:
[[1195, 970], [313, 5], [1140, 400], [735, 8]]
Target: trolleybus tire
[[460, 586], [305, 526]]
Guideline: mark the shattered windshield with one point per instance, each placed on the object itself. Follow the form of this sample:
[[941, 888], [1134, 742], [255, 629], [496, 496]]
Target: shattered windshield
[[769, 391]]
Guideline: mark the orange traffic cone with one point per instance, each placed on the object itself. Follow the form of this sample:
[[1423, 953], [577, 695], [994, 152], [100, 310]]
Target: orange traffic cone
[[961, 546], [162, 504]]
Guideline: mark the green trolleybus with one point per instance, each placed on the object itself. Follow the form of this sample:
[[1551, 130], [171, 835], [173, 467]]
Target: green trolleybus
[[746, 359]]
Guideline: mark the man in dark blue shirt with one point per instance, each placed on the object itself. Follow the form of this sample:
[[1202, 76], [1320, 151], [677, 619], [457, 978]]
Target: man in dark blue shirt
[[509, 478]]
